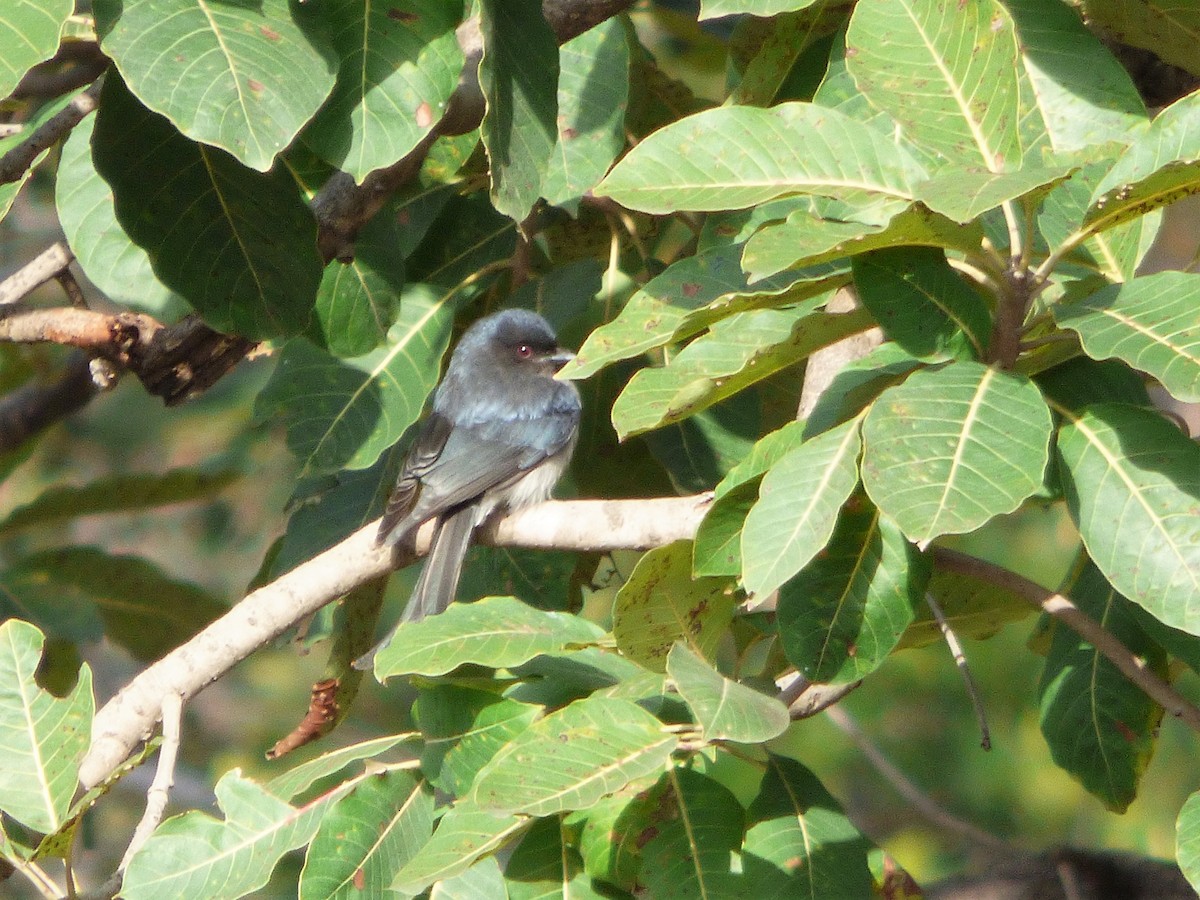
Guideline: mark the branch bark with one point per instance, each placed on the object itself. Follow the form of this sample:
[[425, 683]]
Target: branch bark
[[271, 610]]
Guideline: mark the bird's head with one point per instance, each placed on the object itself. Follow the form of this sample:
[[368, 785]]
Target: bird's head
[[519, 339]]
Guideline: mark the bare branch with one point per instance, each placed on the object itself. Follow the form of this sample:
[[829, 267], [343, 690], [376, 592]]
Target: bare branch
[[960, 660], [16, 162], [164, 777], [46, 265], [1062, 608], [34, 407], [274, 608]]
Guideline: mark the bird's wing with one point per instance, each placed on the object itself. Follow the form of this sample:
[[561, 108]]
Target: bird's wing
[[450, 465]]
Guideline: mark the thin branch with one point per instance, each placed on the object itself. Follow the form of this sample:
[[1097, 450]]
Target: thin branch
[[960, 660], [164, 777], [1061, 607], [50, 263], [16, 162], [805, 699], [598, 525], [920, 801], [1016, 239], [32, 408]]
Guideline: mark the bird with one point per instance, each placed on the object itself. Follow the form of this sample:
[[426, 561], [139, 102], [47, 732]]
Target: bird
[[499, 436]]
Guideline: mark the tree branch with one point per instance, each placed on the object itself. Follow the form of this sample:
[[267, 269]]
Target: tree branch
[[16, 162], [1061, 607], [271, 610]]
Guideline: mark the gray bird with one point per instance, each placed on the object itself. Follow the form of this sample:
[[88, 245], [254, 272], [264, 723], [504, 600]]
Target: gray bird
[[499, 436]]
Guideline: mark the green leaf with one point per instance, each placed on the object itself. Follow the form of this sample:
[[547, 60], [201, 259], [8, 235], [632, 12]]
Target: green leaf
[[256, 270], [798, 507], [44, 737], [119, 493], [738, 156], [1152, 323], [196, 855], [113, 262], [593, 91], [30, 35], [546, 866], [697, 452], [973, 607], [497, 632], [573, 757], [857, 384], [398, 69], [293, 782], [845, 611], [922, 304], [344, 413], [1085, 96], [242, 77], [735, 353], [718, 549], [82, 593], [783, 57], [661, 311], [662, 603], [1187, 840], [810, 241], [482, 879], [945, 72], [519, 78], [953, 447], [1098, 725], [713, 9], [463, 729], [963, 193], [1132, 481], [801, 844], [1160, 166], [367, 836], [1167, 29], [724, 709], [464, 834], [613, 831], [689, 854]]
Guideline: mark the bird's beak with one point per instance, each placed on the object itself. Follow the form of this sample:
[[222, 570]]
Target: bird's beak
[[559, 358]]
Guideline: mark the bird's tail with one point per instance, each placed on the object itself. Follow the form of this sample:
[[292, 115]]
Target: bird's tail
[[439, 579]]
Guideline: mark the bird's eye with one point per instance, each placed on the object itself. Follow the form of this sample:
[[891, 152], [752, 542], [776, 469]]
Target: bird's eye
[[524, 351]]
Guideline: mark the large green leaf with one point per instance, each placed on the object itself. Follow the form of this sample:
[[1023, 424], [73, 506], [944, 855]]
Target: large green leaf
[[1099, 726], [661, 311], [964, 193], [464, 834], [662, 603], [1084, 95], [953, 447], [1152, 323], [367, 836], [1187, 840], [244, 77], [803, 239], [546, 865], [713, 9], [1132, 481], [845, 611], [573, 757], [45, 737], [495, 631], [798, 507], [397, 72], [29, 34], [343, 413], [739, 156], [519, 77], [593, 89], [196, 855], [922, 304], [945, 71], [735, 353], [293, 782], [1159, 167], [1168, 29], [724, 709], [801, 845], [239, 245], [113, 262]]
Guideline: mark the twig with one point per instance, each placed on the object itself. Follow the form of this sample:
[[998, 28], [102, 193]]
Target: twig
[[921, 802], [598, 525], [16, 162], [960, 660], [38, 878], [1061, 607], [71, 288], [805, 699], [46, 265], [164, 777]]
